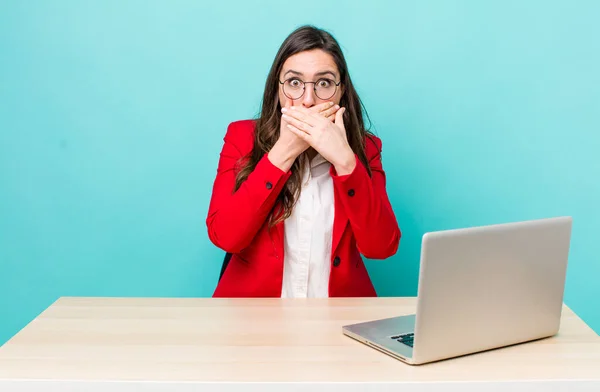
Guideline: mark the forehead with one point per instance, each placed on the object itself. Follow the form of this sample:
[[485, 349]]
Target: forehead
[[310, 62]]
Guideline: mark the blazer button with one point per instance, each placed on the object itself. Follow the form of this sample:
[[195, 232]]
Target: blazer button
[[336, 261], [351, 192], [269, 185]]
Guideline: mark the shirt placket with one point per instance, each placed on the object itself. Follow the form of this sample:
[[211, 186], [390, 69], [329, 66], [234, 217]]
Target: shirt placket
[[305, 237]]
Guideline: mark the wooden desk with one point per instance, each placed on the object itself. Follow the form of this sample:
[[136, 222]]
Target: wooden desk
[[122, 344]]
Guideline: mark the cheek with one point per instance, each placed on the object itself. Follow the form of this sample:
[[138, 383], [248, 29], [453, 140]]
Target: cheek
[[337, 97], [282, 98]]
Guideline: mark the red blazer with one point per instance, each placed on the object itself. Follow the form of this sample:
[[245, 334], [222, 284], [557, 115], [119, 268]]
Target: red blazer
[[364, 222]]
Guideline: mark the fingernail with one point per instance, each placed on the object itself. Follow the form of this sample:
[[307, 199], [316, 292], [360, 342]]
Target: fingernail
[[337, 106], [283, 110]]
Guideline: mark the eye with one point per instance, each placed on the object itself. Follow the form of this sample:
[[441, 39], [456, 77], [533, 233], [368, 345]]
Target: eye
[[324, 83], [295, 83]]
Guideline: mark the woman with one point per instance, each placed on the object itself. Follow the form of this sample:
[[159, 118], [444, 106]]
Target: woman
[[300, 192]]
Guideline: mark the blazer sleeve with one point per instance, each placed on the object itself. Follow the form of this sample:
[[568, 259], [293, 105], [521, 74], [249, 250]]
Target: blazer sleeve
[[367, 205], [234, 217]]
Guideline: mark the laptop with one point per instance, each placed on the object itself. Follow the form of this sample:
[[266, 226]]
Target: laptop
[[479, 289]]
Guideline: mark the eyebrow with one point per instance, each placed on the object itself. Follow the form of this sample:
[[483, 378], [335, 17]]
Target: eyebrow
[[317, 74]]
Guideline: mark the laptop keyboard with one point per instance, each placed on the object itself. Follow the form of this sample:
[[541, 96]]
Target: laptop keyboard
[[406, 338]]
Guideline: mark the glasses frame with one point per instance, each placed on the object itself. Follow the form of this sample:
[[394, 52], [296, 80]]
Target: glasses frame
[[314, 88]]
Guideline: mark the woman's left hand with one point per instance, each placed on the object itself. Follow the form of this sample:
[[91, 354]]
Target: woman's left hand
[[328, 138]]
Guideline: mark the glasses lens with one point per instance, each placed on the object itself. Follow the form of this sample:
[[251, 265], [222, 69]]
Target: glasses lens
[[293, 88], [325, 88]]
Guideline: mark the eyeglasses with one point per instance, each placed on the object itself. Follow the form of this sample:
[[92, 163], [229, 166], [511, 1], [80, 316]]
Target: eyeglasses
[[293, 88]]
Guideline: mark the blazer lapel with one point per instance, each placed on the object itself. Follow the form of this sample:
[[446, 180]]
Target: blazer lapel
[[340, 221], [279, 244]]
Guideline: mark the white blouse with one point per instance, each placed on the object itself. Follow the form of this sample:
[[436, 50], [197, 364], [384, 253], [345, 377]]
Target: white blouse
[[308, 235]]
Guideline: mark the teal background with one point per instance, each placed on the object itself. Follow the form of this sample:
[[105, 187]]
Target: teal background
[[112, 115]]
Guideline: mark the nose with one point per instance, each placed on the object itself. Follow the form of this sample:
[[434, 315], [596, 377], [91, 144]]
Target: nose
[[309, 99]]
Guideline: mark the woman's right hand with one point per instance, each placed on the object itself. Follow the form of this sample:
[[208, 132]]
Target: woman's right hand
[[289, 146]]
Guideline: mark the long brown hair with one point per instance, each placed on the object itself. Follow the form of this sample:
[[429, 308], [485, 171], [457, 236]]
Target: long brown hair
[[268, 122]]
